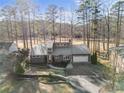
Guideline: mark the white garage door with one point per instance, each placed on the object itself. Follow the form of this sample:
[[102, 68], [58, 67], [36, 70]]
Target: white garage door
[[77, 59]]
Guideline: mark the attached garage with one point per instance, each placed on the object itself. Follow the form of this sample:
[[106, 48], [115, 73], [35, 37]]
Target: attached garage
[[81, 54], [81, 58]]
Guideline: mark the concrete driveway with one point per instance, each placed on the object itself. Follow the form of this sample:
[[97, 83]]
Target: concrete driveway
[[88, 84], [88, 77]]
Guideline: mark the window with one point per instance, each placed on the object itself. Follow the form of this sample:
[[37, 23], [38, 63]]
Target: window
[[36, 56], [49, 49], [50, 57], [33, 56], [56, 57], [66, 57]]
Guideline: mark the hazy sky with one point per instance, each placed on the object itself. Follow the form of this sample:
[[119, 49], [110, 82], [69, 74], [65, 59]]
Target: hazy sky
[[67, 4], [44, 3]]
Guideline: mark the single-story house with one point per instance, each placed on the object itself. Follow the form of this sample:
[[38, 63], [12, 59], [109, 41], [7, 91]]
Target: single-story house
[[60, 52], [117, 58], [8, 46]]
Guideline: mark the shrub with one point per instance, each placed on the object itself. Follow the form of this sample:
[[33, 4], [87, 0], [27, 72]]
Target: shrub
[[94, 58], [27, 65], [22, 62], [19, 69]]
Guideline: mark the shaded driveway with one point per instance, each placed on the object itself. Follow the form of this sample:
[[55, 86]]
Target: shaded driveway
[[88, 77]]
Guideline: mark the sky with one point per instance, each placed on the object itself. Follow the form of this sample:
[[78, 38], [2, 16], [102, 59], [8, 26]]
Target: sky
[[62, 3], [68, 5], [43, 4]]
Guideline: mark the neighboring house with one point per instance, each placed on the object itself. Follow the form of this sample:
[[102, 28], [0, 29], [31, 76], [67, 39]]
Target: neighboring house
[[63, 52], [117, 58], [8, 46]]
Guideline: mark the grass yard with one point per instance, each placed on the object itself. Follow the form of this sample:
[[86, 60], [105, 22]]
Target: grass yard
[[10, 85], [34, 86]]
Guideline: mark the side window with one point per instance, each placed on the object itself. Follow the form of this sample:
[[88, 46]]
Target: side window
[[57, 58], [66, 57], [33, 56], [36, 56]]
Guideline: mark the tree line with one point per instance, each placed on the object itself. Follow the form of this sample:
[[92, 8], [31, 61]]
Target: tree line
[[95, 23], [24, 21], [101, 24]]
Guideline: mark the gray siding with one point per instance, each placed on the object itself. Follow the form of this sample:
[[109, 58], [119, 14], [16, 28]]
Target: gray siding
[[38, 59]]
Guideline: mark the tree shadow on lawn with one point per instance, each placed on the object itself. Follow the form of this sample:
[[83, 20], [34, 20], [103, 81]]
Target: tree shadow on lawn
[[100, 76], [14, 85], [19, 86], [94, 73]]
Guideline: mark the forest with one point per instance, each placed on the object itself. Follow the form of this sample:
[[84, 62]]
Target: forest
[[93, 22]]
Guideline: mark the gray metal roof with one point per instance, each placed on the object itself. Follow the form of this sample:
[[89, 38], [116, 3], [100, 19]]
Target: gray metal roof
[[39, 50], [5, 45], [75, 49]]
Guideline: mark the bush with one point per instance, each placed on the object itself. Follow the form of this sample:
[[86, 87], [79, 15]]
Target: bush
[[94, 58], [26, 63], [19, 69], [23, 53], [22, 61]]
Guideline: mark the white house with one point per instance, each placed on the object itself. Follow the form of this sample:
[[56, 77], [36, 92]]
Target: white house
[[8, 46], [59, 52]]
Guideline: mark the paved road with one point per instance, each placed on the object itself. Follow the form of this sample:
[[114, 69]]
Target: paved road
[[90, 84]]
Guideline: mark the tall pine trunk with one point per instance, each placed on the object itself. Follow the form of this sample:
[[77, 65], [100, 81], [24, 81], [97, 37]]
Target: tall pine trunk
[[29, 28], [16, 31], [23, 32]]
